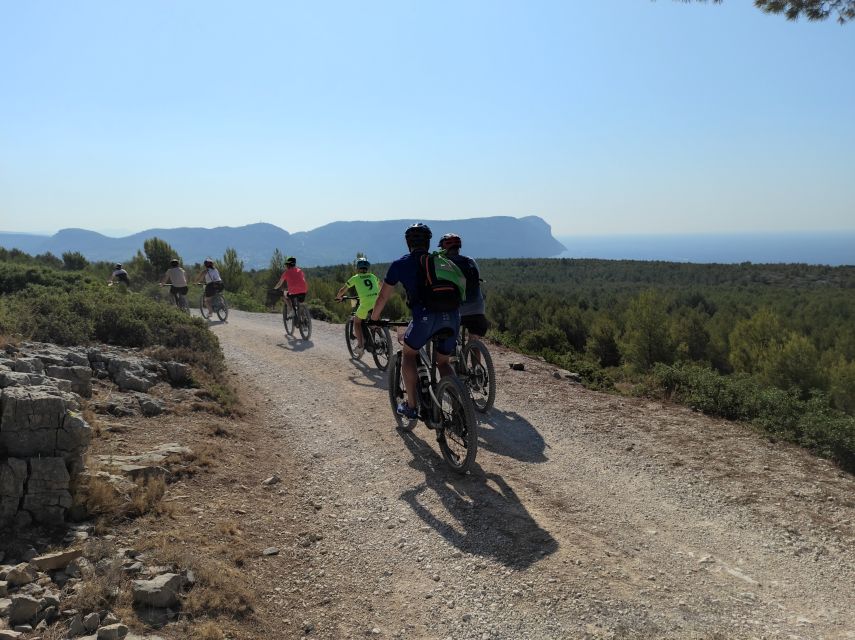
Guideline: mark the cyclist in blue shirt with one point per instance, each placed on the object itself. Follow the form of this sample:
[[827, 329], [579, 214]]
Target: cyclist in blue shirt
[[425, 322]]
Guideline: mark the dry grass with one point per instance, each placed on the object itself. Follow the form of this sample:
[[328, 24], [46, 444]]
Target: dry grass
[[220, 590], [99, 591], [102, 498], [207, 631], [91, 419]]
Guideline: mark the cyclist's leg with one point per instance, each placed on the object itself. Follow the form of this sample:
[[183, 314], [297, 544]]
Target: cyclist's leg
[[210, 292], [444, 348], [410, 373], [476, 326], [362, 313]]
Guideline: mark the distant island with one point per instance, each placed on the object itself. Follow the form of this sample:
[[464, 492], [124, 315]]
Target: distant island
[[335, 243]]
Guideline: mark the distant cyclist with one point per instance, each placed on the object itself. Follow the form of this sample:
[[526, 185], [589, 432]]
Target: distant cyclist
[[177, 279], [213, 283], [119, 275], [472, 309], [367, 287], [425, 323], [295, 282]]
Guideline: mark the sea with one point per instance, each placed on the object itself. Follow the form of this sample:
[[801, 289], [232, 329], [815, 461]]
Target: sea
[[808, 247]]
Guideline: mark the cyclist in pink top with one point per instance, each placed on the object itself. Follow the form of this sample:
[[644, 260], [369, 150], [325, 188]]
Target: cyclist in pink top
[[294, 281]]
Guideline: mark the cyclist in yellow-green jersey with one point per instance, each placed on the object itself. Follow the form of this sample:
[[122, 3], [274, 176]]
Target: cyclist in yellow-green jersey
[[367, 287]]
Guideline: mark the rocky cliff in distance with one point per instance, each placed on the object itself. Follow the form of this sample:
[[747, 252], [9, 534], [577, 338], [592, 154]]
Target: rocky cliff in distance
[[335, 243]]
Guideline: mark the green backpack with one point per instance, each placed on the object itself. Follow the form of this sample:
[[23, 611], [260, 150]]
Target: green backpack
[[442, 285]]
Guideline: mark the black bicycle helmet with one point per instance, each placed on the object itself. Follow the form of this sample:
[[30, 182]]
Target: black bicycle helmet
[[118, 265], [290, 261], [173, 262], [450, 241], [362, 263], [418, 235]]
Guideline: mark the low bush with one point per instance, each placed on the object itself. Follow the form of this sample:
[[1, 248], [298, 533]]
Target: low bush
[[812, 423]]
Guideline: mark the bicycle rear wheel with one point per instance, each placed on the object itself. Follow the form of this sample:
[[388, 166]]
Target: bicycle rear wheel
[[350, 338], [202, 308], [398, 393], [222, 307], [288, 317], [305, 322], [382, 352], [458, 431], [479, 376]]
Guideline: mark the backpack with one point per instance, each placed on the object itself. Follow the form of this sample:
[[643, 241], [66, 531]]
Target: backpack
[[442, 285]]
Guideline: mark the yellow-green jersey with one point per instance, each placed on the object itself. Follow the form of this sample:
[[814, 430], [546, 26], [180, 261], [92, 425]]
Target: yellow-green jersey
[[367, 286]]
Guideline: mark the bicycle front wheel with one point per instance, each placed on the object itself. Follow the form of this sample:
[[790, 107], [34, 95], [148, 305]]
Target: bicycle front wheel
[[398, 393], [350, 338], [458, 428], [382, 353], [288, 317], [479, 376], [305, 322], [202, 308], [222, 308]]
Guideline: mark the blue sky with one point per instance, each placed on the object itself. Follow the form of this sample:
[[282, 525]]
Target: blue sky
[[625, 116]]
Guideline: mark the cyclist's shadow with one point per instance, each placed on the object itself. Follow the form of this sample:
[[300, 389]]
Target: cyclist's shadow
[[485, 516], [295, 344], [508, 434], [371, 376]]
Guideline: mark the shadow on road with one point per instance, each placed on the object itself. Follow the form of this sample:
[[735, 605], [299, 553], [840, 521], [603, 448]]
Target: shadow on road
[[368, 375], [482, 514], [295, 344], [507, 433]]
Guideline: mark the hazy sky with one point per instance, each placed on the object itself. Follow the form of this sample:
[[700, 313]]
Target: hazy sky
[[601, 117]]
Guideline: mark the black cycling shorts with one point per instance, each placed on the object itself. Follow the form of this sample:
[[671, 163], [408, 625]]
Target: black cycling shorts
[[477, 324], [178, 290], [299, 297]]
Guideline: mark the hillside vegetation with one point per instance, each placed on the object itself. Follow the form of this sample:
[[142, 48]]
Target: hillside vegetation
[[773, 345]]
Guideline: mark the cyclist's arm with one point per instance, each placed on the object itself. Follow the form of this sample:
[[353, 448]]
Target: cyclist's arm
[[341, 292], [386, 292]]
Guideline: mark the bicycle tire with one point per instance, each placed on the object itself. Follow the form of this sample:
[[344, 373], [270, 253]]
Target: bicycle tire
[[382, 352], [222, 307], [288, 317], [202, 308], [305, 322], [458, 428], [350, 338], [398, 393], [479, 375]]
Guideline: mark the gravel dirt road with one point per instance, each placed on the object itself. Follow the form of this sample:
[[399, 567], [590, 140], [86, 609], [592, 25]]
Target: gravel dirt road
[[587, 515]]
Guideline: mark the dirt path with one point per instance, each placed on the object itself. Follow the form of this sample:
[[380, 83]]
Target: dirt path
[[588, 515]]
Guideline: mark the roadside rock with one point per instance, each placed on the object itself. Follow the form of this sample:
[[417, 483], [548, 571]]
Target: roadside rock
[[58, 560], [160, 592]]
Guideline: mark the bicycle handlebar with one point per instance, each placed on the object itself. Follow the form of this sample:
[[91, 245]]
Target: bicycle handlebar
[[384, 322]]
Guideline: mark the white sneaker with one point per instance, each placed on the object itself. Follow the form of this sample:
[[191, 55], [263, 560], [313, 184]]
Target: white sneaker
[[358, 351]]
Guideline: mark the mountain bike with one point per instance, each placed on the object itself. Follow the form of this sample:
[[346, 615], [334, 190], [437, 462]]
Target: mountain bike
[[298, 316], [444, 404], [179, 299], [218, 304], [474, 366], [376, 340]]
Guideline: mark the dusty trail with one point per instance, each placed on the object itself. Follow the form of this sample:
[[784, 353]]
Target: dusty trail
[[588, 515]]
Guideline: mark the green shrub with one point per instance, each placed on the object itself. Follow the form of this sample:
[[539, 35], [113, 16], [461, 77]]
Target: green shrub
[[812, 423]]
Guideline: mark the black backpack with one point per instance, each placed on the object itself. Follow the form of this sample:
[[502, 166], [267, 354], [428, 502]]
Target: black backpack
[[442, 285]]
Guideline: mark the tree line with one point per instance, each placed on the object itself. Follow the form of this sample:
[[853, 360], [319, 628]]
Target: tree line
[[723, 338]]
